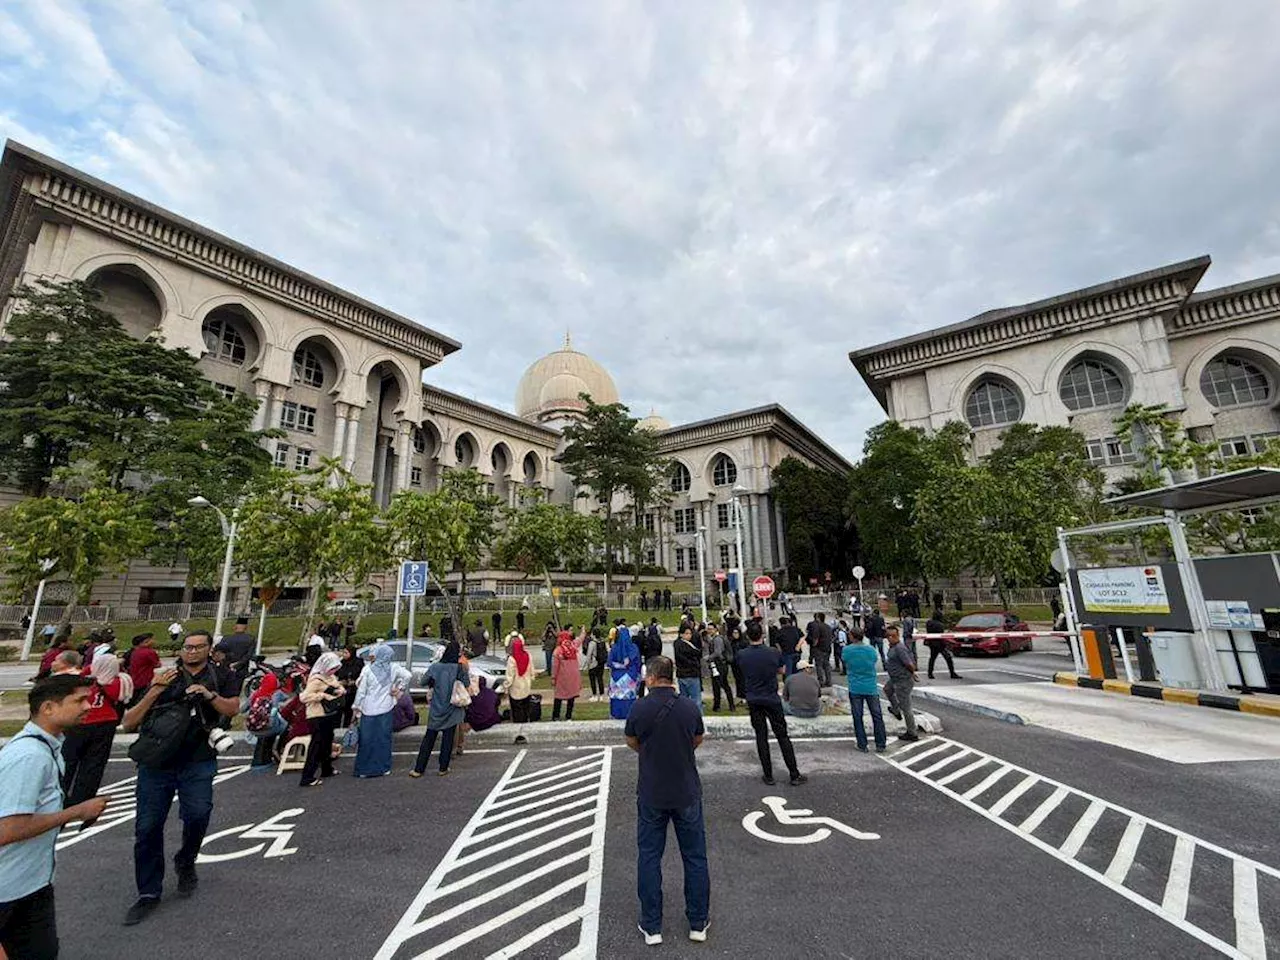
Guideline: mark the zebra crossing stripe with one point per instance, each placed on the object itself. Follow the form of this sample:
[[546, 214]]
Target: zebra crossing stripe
[[1251, 932]]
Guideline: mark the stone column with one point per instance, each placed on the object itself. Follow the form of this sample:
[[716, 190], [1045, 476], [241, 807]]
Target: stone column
[[764, 531], [278, 391], [340, 413], [403, 448], [781, 535], [262, 419], [380, 448], [353, 436]]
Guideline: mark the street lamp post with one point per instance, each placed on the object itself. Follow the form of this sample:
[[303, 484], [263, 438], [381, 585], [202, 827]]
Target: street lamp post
[[228, 531], [45, 567], [702, 573], [742, 570]]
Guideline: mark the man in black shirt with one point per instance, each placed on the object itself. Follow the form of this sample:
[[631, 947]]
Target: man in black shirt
[[761, 667], [665, 729], [209, 694], [236, 649], [789, 638], [666, 598]]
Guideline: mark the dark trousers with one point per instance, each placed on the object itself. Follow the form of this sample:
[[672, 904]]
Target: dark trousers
[[548, 655], [764, 716], [264, 752], [193, 783], [651, 843], [596, 676], [789, 660], [719, 682], [28, 926], [568, 711], [872, 701], [320, 752], [739, 681], [85, 752], [822, 665], [934, 653], [429, 742]]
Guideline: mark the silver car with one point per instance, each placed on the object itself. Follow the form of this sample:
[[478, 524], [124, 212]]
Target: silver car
[[427, 652]]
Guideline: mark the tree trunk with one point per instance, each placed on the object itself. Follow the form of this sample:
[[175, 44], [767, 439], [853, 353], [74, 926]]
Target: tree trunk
[[609, 533], [308, 625], [555, 606], [1002, 590], [454, 608]]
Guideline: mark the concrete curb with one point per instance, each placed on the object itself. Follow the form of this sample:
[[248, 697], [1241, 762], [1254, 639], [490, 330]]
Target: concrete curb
[[979, 709], [1262, 705]]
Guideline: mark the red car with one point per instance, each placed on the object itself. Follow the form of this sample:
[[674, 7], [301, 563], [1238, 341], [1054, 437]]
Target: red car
[[993, 627]]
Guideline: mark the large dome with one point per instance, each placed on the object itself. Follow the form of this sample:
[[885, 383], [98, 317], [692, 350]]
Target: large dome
[[654, 423], [549, 388]]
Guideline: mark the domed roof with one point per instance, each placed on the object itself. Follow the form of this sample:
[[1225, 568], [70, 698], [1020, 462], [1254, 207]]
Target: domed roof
[[550, 387], [654, 422]]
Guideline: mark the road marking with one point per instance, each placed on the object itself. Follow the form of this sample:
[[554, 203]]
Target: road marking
[[279, 834], [1041, 813], [1251, 927], [797, 818], [964, 771], [513, 807], [915, 757], [945, 762]]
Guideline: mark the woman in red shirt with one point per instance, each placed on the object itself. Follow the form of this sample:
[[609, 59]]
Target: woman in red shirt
[[88, 746], [142, 662]]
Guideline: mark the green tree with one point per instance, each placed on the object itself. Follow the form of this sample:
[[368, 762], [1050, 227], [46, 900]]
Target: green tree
[[316, 527], [542, 537], [83, 524], [815, 503], [610, 456]]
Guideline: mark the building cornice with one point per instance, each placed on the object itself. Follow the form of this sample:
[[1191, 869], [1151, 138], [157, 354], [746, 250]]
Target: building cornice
[[1225, 307], [1158, 292], [444, 403], [34, 185], [773, 419]]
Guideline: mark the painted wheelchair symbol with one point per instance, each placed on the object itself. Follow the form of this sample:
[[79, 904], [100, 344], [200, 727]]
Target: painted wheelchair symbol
[[271, 831], [798, 818]]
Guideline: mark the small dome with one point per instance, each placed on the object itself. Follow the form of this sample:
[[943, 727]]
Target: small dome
[[550, 387], [654, 422]]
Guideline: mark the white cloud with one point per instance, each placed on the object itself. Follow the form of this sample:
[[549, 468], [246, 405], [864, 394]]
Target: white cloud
[[720, 199]]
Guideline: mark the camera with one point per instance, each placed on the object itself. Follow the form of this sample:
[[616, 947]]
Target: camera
[[220, 740]]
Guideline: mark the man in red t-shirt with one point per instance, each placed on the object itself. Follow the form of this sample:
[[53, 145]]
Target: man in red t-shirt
[[143, 661], [60, 643]]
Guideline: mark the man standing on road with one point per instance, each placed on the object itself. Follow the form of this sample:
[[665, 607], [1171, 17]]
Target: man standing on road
[[902, 679], [761, 667], [938, 648], [666, 729], [31, 813], [237, 648], [789, 638], [183, 763], [820, 653], [860, 662], [689, 665], [874, 627]]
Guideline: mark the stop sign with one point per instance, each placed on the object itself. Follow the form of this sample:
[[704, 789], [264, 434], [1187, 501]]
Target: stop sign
[[762, 587], [721, 576]]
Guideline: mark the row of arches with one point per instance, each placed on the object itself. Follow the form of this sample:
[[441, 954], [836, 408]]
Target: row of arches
[[1234, 377], [467, 454], [724, 473]]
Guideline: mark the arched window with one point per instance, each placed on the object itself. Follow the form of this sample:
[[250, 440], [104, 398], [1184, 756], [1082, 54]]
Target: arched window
[[1088, 384], [680, 479], [993, 403], [419, 440], [724, 472], [307, 369], [223, 341], [1233, 381], [464, 451]]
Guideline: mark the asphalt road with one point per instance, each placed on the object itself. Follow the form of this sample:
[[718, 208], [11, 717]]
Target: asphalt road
[[534, 851]]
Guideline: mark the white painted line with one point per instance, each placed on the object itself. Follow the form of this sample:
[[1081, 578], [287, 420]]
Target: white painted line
[[543, 772], [538, 934], [1250, 940], [1010, 798], [436, 919], [966, 769], [506, 844], [908, 748], [1080, 832], [979, 789], [1126, 850], [532, 818], [920, 756], [507, 863], [1178, 886], [554, 798], [544, 791], [945, 762], [591, 767], [467, 936], [1042, 812], [589, 937]]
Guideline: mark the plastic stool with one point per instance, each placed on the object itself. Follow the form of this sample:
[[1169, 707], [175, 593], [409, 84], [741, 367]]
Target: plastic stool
[[298, 746]]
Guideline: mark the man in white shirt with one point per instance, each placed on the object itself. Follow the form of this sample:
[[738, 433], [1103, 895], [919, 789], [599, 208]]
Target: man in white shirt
[[175, 631]]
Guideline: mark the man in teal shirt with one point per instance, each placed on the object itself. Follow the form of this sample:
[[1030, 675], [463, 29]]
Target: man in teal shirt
[[860, 662]]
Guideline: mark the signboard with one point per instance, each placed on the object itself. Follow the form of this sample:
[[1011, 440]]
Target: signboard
[[762, 587], [1219, 617], [1240, 615], [721, 576], [859, 573], [1124, 590], [413, 578]]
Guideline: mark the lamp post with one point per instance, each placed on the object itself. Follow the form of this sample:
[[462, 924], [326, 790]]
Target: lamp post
[[742, 571], [228, 531], [702, 573], [45, 566]]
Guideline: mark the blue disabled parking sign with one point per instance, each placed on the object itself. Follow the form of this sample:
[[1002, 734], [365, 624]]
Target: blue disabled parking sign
[[413, 578]]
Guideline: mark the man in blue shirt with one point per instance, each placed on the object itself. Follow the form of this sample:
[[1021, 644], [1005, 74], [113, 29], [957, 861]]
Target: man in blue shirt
[[860, 662], [665, 729], [761, 667], [31, 813]]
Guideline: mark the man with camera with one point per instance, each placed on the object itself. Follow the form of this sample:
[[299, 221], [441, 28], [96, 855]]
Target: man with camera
[[176, 750]]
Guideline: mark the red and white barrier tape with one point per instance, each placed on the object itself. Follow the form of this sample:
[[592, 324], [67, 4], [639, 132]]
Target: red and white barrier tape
[[993, 635]]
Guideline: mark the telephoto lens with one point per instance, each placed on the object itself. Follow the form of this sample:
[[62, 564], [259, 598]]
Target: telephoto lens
[[220, 740]]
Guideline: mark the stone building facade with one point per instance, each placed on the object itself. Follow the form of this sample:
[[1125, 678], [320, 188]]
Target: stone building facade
[[343, 377], [1078, 359]]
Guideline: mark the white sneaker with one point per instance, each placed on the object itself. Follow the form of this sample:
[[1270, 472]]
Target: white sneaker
[[650, 939], [700, 936]]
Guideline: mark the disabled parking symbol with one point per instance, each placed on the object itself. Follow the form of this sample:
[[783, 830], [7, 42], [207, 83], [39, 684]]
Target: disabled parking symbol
[[273, 832], [798, 818]]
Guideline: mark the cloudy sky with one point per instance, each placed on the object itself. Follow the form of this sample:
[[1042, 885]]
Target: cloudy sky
[[720, 198]]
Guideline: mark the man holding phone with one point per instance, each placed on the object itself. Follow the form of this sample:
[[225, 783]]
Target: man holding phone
[[187, 768]]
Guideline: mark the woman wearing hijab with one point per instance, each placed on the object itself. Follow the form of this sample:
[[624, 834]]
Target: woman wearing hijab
[[321, 692], [88, 746], [442, 716], [349, 676], [566, 674], [519, 684], [376, 693], [315, 647], [624, 673]]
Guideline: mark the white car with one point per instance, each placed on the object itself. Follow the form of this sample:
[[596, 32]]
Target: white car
[[345, 606]]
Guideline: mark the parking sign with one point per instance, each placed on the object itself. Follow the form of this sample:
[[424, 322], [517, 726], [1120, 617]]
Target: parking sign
[[413, 578]]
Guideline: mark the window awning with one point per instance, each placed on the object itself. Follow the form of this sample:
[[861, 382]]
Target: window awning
[[1240, 488]]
